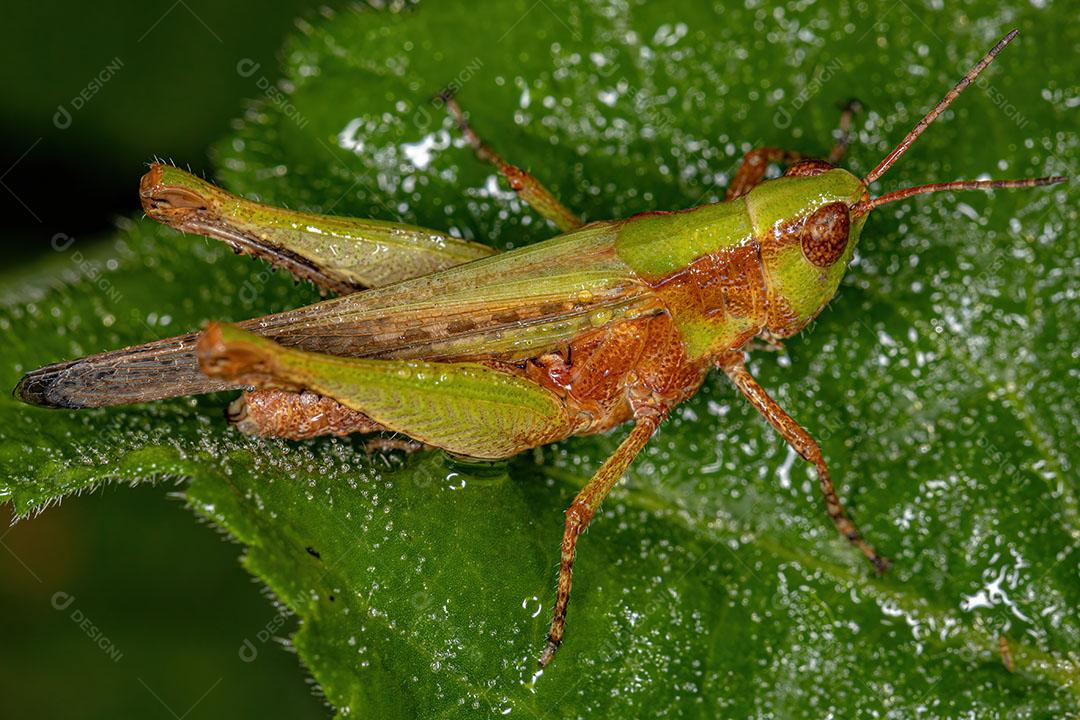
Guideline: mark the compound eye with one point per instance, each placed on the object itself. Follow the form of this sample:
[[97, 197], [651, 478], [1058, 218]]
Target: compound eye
[[807, 168], [825, 234]]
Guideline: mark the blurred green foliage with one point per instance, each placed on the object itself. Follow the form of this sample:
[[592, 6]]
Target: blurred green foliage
[[129, 559]]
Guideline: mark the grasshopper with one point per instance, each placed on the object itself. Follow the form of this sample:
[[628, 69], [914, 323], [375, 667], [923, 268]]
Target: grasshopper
[[486, 355]]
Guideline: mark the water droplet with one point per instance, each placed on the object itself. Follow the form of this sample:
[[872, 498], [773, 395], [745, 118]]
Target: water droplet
[[529, 601]]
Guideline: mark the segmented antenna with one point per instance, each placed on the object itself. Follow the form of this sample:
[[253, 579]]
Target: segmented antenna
[[916, 131], [957, 185]]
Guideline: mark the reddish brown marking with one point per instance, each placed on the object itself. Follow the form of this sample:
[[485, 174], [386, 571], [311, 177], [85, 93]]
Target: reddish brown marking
[[698, 289], [825, 234], [617, 372], [554, 369], [464, 325], [414, 335], [726, 288], [166, 203], [665, 376], [237, 362], [781, 320], [743, 281], [604, 362]]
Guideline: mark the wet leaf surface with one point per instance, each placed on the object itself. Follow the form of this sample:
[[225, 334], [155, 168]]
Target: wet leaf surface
[[941, 382]]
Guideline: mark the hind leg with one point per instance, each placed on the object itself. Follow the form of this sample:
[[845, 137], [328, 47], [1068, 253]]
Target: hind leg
[[296, 415], [305, 415], [465, 408], [338, 254]]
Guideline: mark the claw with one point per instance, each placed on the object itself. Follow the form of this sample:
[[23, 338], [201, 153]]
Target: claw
[[881, 564], [549, 652]]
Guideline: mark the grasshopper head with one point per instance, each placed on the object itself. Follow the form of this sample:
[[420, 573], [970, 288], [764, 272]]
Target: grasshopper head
[[808, 230], [809, 221]]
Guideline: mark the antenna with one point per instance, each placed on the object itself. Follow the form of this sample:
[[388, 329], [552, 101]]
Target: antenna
[[916, 131], [957, 185]]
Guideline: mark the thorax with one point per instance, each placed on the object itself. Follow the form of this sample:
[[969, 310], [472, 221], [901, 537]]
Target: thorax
[[705, 266]]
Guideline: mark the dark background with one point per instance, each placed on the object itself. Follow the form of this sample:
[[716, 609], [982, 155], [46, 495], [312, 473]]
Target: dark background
[[172, 91]]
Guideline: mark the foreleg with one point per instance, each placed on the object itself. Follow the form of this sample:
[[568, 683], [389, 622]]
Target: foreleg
[[801, 441]]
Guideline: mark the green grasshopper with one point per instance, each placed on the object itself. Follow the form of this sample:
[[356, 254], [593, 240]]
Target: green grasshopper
[[486, 355]]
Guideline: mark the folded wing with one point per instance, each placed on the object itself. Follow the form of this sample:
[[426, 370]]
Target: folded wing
[[508, 307]]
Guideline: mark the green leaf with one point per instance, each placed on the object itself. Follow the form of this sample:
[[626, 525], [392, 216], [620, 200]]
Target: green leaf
[[712, 583]]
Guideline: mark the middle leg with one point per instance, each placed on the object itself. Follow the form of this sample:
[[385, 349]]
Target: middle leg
[[525, 185], [581, 512]]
